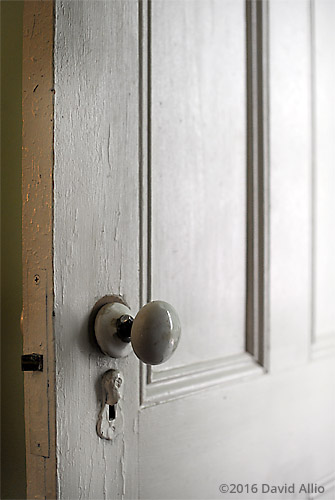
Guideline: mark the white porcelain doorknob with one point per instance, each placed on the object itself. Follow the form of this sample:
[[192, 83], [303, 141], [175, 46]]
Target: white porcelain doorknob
[[153, 334]]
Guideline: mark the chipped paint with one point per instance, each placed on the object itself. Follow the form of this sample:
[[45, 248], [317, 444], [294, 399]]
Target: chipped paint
[[96, 235]]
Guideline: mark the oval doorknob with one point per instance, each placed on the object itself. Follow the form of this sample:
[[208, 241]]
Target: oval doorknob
[[153, 334]]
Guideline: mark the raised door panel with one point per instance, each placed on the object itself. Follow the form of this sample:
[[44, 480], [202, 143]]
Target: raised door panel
[[198, 123], [323, 52], [198, 172], [290, 184]]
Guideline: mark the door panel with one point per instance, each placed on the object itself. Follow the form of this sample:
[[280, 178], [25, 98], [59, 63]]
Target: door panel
[[198, 169], [323, 44], [197, 188], [290, 184]]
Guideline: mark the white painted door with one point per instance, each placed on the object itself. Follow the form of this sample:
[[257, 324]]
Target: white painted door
[[194, 164]]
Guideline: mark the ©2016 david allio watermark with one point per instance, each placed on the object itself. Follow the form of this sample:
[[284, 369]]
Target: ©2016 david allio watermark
[[271, 488]]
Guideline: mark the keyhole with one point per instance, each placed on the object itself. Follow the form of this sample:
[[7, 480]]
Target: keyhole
[[111, 412]]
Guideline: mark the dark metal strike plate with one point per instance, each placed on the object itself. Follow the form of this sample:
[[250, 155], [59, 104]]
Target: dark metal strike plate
[[32, 362]]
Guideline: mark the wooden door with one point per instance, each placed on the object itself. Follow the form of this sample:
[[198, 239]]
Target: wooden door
[[193, 163]]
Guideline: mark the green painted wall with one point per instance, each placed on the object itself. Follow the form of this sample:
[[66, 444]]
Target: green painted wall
[[13, 479]]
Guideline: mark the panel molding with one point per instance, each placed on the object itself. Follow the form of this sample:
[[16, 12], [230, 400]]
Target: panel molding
[[144, 150], [257, 178], [165, 385], [313, 193]]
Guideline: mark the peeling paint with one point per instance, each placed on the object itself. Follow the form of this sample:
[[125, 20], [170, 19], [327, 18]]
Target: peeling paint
[[96, 240]]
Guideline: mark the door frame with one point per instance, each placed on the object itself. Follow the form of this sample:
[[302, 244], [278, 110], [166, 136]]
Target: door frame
[[37, 245]]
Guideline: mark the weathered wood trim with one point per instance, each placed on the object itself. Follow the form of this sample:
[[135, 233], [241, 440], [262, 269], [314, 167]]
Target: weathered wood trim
[[96, 236], [37, 247]]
